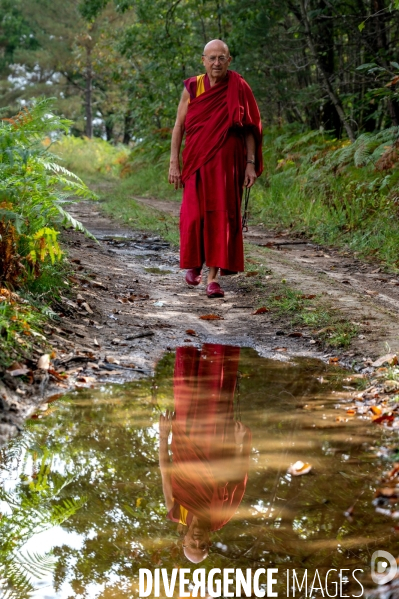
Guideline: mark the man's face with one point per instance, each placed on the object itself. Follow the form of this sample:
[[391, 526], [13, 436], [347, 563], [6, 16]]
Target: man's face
[[216, 60]]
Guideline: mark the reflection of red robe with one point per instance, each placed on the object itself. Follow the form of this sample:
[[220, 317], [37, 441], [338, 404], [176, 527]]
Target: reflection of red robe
[[203, 435], [214, 162]]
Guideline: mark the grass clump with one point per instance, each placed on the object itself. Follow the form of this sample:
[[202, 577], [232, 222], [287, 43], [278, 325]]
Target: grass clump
[[326, 324]]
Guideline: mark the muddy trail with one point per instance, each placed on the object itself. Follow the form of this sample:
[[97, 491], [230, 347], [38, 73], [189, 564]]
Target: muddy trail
[[142, 306], [129, 304]]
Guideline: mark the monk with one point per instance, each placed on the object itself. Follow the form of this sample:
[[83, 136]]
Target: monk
[[221, 120], [205, 482]]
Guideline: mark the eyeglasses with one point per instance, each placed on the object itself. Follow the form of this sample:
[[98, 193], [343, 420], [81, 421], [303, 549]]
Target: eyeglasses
[[222, 59], [202, 546]]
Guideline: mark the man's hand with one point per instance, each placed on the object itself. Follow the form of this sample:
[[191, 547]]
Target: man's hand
[[250, 175], [175, 175], [165, 424]]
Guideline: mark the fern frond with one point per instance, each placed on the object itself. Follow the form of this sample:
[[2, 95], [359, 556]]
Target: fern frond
[[303, 140], [57, 168], [72, 222]]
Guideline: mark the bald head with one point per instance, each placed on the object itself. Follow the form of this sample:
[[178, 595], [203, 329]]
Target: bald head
[[216, 60], [217, 47]]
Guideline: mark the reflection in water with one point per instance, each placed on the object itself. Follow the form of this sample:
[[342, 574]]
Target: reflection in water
[[205, 483], [103, 445]]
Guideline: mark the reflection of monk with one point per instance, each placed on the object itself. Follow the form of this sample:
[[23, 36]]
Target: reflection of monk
[[205, 483]]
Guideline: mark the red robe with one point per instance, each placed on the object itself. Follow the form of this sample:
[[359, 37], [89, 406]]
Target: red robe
[[205, 480], [214, 162]]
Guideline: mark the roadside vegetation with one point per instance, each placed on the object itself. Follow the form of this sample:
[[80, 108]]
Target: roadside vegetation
[[34, 191]]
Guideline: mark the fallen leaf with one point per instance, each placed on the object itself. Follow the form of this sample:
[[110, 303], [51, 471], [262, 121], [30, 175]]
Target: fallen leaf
[[17, 369], [86, 306], [351, 412], [252, 273], [341, 419], [371, 292], [95, 342], [43, 362], [279, 349], [299, 468], [346, 282], [261, 310], [211, 317], [308, 297], [98, 285], [333, 360], [57, 375], [295, 334], [391, 359], [191, 332], [376, 410], [111, 360], [390, 386], [86, 379], [383, 418]]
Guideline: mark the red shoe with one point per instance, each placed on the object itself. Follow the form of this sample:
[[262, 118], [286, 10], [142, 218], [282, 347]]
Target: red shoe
[[194, 276], [214, 290]]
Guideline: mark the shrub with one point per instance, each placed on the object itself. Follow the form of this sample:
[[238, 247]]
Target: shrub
[[34, 189]]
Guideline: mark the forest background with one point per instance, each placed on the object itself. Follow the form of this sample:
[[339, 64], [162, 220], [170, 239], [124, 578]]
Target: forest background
[[324, 72]]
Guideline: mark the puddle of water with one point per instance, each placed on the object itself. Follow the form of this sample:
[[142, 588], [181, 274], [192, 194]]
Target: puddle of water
[[84, 480]]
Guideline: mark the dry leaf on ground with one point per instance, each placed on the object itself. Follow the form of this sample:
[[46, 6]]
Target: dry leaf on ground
[[44, 362], [299, 468], [191, 332], [261, 310], [211, 317], [391, 359], [383, 418]]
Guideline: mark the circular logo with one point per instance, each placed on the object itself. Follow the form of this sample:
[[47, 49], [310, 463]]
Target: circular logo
[[383, 567]]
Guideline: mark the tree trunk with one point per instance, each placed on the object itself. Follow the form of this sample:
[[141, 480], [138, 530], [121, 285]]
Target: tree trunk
[[326, 78], [128, 122], [89, 94]]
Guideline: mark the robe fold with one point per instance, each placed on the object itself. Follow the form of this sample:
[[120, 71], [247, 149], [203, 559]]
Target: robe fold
[[207, 478], [214, 162]]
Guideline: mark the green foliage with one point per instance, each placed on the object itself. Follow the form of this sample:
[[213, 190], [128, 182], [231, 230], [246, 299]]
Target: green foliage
[[35, 505], [91, 157], [336, 192], [33, 192]]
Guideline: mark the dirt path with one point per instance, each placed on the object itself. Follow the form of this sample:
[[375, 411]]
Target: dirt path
[[130, 304], [361, 291], [133, 264]]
